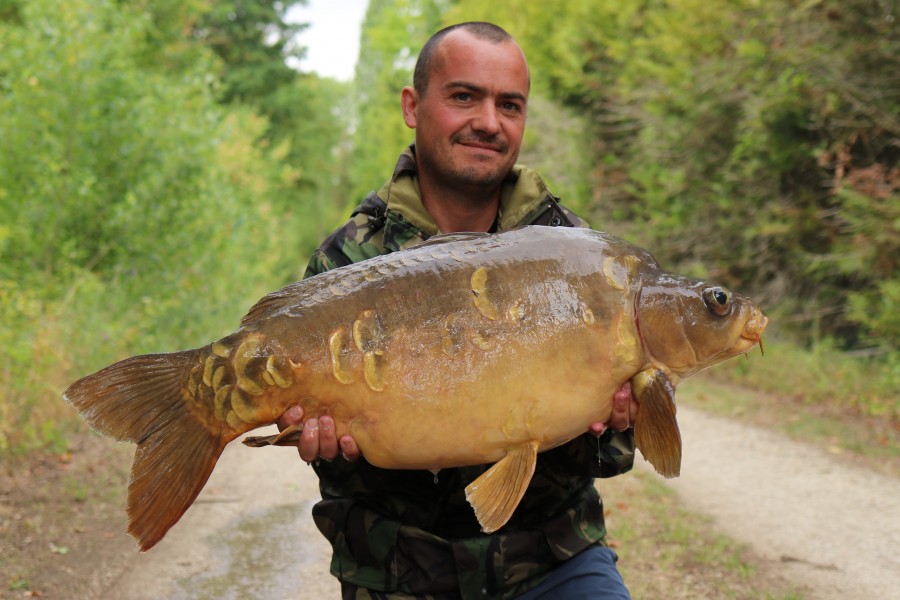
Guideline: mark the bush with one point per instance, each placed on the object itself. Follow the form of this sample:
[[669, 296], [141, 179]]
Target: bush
[[137, 213]]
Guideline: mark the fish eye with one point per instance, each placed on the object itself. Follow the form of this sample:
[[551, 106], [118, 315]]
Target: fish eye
[[718, 300]]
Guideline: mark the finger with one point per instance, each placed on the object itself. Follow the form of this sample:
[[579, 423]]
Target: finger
[[620, 418], [349, 448], [292, 416], [626, 393], [328, 445], [309, 441], [597, 429]]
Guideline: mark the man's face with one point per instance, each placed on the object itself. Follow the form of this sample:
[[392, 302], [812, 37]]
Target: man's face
[[470, 120]]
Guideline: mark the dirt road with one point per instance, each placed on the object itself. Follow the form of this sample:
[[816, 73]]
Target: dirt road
[[832, 528], [248, 535]]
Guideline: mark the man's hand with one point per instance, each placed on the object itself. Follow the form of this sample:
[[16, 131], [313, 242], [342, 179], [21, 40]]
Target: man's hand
[[318, 439], [624, 412]]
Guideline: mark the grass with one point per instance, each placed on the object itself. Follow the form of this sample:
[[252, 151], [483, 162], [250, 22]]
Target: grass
[[822, 377], [833, 425]]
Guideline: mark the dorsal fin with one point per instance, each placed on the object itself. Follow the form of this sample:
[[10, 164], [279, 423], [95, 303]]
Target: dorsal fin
[[290, 295], [446, 238], [273, 302]]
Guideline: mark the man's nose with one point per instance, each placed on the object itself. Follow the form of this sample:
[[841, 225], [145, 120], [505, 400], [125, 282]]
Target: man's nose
[[487, 119]]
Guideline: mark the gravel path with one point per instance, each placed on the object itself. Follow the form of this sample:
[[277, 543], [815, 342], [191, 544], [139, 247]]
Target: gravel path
[[832, 528], [248, 535]]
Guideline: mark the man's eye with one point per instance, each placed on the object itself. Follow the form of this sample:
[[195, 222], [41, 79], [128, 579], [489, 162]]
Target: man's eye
[[463, 96], [511, 107]]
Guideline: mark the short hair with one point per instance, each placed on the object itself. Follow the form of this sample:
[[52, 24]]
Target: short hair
[[479, 29]]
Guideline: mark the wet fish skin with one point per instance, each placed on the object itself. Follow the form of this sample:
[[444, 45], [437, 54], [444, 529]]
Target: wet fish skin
[[516, 341]]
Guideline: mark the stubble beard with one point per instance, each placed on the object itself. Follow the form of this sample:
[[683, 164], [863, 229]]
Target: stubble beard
[[465, 178]]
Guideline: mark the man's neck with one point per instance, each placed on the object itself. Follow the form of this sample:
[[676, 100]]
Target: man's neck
[[454, 212]]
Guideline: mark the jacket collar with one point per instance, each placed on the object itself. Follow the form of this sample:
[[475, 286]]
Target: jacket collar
[[407, 222]]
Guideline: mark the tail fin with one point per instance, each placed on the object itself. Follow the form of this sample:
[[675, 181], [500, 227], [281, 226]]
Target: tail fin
[[141, 400], [656, 430]]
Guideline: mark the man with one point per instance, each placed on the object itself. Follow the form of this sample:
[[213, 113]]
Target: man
[[411, 534]]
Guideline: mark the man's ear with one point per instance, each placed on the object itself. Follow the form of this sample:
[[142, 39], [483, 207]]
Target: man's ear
[[409, 101]]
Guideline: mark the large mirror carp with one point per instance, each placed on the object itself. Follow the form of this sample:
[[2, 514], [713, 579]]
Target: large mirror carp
[[468, 349]]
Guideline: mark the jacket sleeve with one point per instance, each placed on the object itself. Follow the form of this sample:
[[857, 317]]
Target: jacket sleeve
[[615, 453], [609, 455]]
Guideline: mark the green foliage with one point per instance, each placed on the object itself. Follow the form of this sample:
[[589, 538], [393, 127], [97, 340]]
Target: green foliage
[[253, 41], [878, 310], [166, 47], [77, 159], [137, 213], [392, 34], [9, 11], [308, 132], [822, 376], [555, 145], [306, 115], [869, 252]]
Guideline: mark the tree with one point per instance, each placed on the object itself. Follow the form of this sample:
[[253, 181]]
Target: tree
[[307, 116], [254, 42], [392, 34], [137, 213]]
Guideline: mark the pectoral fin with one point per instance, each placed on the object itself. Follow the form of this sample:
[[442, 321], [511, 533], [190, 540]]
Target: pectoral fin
[[289, 437], [656, 430], [496, 494]]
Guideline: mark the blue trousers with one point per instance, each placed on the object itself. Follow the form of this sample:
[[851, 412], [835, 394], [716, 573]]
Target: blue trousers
[[589, 574]]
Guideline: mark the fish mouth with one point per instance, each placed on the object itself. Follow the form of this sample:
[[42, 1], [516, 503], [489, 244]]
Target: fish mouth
[[753, 331]]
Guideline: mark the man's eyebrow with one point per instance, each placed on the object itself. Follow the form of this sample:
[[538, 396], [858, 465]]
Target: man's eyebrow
[[482, 90]]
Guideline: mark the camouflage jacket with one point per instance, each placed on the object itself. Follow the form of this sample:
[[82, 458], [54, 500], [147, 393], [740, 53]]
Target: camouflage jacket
[[412, 532]]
